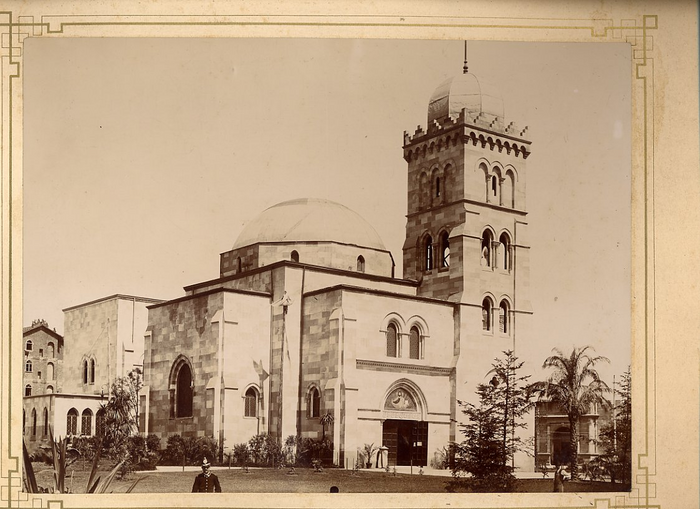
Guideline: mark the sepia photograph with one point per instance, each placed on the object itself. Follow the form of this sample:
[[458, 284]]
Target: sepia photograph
[[304, 265]]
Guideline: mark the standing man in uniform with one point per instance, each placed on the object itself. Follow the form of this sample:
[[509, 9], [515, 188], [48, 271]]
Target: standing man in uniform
[[206, 482]]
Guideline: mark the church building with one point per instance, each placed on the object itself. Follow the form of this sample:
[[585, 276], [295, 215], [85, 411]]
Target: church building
[[308, 318]]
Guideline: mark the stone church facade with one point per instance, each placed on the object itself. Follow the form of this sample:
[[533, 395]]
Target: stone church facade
[[307, 316]]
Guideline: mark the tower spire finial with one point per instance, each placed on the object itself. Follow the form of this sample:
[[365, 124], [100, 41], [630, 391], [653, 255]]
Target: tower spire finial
[[465, 69]]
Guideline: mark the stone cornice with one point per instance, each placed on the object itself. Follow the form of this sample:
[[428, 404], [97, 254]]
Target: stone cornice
[[400, 367]]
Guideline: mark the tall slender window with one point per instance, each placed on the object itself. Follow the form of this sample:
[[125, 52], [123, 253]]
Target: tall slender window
[[33, 422], [28, 390], [295, 256], [86, 423], [392, 338], [183, 391], [414, 349], [28, 345], [503, 325], [360, 263], [437, 187], [445, 250], [314, 403], [50, 372], [45, 430], [486, 241], [50, 350], [428, 253], [486, 314], [505, 248], [251, 402], [85, 371], [100, 422], [92, 371]]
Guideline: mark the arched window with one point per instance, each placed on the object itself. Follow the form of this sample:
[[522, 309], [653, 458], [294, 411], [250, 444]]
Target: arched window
[[28, 390], [86, 423], [486, 241], [45, 430], [92, 371], [28, 345], [183, 391], [100, 422], [414, 349], [444, 250], [428, 253], [295, 256], [49, 389], [314, 403], [251, 402], [438, 191], [50, 350], [486, 306], [504, 257], [72, 422], [50, 371], [28, 366], [494, 187], [392, 341], [239, 264], [360, 263], [33, 422], [508, 190], [503, 317], [85, 371]]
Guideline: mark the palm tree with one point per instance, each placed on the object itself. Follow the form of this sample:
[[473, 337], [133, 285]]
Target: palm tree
[[574, 385], [326, 420]]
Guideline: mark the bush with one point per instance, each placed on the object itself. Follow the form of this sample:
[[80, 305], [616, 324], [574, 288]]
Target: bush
[[153, 443], [265, 450], [189, 450], [441, 458], [240, 454]]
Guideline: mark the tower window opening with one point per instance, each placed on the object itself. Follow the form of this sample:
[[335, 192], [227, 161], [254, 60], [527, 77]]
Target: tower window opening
[[28, 366], [428, 253], [415, 350], [33, 422], [494, 186], [239, 264], [85, 371], [28, 346], [86, 423], [437, 187], [486, 314], [28, 390], [295, 256], [392, 341], [505, 248], [92, 371], [183, 391], [486, 241], [503, 325], [360, 263], [445, 250]]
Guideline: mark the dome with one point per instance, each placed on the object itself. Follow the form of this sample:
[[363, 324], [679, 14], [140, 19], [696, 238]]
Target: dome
[[309, 219], [465, 91]]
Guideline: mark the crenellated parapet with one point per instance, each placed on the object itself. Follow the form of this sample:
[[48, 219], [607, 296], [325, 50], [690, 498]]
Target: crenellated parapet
[[480, 129]]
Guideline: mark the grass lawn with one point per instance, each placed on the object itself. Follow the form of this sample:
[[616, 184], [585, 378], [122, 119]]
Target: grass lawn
[[306, 481]]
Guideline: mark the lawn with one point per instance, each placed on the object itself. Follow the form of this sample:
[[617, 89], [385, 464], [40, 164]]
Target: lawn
[[305, 481]]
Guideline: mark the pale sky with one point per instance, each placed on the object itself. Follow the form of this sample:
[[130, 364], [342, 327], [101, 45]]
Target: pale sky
[[144, 159]]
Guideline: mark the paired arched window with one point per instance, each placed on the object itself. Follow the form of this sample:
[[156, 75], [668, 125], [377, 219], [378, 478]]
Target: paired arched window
[[486, 310], [28, 390], [295, 256], [50, 350], [251, 402], [314, 403], [444, 250], [28, 366], [428, 253], [415, 344], [86, 422], [504, 317], [33, 422], [28, 345], [360, 263], [45, 430], [486, 245], [72, 422], [505, 251], [100, 422], [392, 341]]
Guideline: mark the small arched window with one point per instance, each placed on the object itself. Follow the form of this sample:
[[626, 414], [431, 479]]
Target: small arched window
[[49, 389], [444, 250], [360, 263], [33, 422], [415, 351], [494, 186], [392, 341], [295, 256], [438, 191], [50, 371], [251, 402], [72, 422], [45, 429], [486, 306], [100, 422], [86, 423], [28, 366], [28, 345], [28, 390], [504, 257], [92, 371], [503, 318], [428, 253], [486, 241], [183, 391], [314, 403], [50, 350], [239, 264], [85, 371]]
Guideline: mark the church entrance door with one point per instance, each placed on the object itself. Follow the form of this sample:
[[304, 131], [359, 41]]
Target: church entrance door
[[406, 440]]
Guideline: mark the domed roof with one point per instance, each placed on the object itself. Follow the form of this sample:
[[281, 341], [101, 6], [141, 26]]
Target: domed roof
[[309, 219], [465, 91]]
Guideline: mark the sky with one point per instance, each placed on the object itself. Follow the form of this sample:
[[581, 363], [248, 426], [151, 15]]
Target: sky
[[145, 158]]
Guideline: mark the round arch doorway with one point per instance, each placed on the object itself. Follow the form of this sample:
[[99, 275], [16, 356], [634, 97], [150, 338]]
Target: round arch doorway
[[561, 446], [404, 432]]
